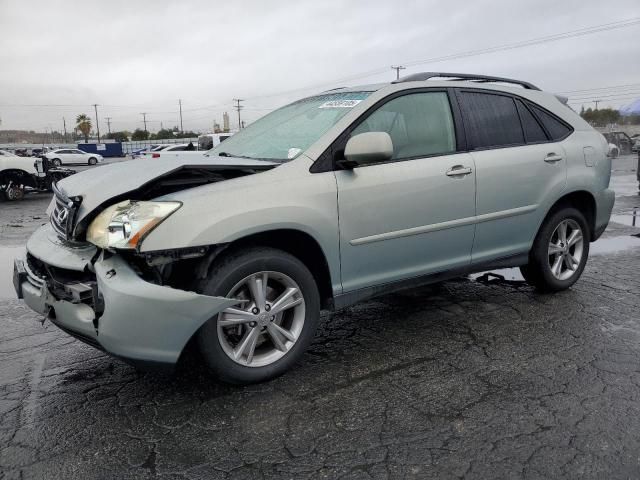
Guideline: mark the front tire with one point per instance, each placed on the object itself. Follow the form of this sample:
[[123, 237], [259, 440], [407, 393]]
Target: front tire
[[56, 162], [559, 252], [266, 334], [93, 161]]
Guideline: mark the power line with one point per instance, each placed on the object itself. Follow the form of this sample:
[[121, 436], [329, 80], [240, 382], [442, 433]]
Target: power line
[[465, 54], [472, 53], [611, 87], [618, 94], [593, 99]]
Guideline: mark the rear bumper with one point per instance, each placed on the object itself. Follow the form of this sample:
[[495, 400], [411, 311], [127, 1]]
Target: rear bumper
[[116, 310], [604, 207]]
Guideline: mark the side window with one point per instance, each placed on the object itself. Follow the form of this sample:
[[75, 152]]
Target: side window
[[492, 120], [533, 132], [556, 129], [420, 124]]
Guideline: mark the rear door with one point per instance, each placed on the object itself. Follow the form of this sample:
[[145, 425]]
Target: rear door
[[519, 167]]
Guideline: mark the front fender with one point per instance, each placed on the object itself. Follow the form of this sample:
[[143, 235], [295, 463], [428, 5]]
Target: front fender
[[288, 197]]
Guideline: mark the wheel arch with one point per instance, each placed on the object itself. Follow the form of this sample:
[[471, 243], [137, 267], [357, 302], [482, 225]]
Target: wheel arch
[[582, 200], [15, 173], [301, 245]]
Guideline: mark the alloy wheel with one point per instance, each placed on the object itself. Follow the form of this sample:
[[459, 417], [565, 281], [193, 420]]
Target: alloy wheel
[[565, 250], [267, 321]]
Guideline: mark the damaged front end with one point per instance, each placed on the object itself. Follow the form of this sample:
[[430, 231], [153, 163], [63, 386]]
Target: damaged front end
[[133, 305], [101, 299]]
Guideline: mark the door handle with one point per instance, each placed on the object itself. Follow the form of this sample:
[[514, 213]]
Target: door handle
[[552, 157], [458, 170]]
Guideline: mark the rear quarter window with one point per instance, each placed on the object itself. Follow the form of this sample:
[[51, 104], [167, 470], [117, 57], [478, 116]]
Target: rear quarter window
[[556, 129], [533, 131]]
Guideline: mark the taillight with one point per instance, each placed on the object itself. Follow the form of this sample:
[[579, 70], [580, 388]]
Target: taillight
[[155, 155]]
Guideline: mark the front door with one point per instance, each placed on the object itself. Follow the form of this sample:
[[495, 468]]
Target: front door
[[413, 215]]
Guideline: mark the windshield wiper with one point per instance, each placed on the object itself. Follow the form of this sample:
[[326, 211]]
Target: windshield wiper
[[225, 154]]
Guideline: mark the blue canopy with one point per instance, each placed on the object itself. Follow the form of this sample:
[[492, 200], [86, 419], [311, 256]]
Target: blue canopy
[[631, 109]]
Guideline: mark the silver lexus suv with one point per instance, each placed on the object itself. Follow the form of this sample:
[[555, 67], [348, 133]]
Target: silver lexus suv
[[328, 201]]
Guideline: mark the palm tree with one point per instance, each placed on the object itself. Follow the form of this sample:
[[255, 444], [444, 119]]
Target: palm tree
[[83, 122]]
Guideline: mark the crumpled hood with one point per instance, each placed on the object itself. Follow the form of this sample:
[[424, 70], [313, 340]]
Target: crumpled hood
[[98, 185]]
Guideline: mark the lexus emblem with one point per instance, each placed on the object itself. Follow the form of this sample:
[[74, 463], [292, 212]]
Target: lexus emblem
[[61, 216]]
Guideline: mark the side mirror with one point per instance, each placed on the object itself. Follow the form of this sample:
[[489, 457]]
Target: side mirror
[[369, 147]]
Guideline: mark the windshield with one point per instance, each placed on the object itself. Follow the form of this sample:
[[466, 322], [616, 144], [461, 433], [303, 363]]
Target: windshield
[[285, 133]]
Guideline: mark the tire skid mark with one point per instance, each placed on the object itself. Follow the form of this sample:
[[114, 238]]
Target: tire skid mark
[[31, 402]]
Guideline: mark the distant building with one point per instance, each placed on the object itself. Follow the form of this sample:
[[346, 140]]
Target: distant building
[[225, 122]]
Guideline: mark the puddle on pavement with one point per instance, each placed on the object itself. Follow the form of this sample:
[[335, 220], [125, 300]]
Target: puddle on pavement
[[624, 185], [7, 254], [512, 276], [631, 218], [605, 246]]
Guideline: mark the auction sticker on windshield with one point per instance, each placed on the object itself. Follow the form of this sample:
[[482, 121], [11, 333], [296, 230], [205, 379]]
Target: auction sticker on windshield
[[340, 104]]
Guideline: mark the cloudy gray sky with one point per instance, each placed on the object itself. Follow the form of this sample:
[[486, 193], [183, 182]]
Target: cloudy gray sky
[[59, 57]]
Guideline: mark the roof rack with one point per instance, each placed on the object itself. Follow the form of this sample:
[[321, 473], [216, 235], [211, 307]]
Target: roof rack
[[419, 77]]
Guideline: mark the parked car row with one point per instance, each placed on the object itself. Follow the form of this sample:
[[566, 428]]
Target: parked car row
[[323, 203]]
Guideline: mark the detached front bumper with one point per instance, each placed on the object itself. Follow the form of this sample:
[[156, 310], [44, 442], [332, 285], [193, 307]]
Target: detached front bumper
[[112, 309]]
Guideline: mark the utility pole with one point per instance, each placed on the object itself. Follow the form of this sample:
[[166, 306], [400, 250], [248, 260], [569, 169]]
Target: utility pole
[[180, 105], [597, 102], [239, 107], [95, 106], [144, 119], [397, 68], [64, 125], [108, 119]]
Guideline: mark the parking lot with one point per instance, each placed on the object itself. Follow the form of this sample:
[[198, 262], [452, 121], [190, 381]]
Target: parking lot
[[476, 378]]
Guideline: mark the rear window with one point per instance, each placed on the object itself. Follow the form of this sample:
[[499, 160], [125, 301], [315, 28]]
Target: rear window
[[492, 120], [556, 129], [533, 132]]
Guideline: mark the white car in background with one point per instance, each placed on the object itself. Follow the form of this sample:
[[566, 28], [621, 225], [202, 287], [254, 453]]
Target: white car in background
[[177, 147], [72, 155]]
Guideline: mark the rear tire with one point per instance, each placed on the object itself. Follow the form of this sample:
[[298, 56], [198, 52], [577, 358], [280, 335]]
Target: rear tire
[[560, 251], [275, 338]]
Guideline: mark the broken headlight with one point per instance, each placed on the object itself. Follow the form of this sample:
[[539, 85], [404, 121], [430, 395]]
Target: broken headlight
[[125, 224]]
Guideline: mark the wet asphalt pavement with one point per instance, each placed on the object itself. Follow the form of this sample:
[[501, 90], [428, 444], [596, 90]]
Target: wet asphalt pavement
[[473, 378]]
